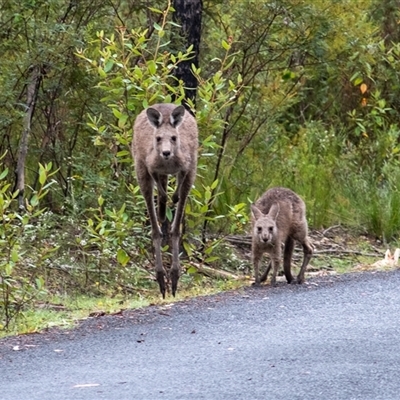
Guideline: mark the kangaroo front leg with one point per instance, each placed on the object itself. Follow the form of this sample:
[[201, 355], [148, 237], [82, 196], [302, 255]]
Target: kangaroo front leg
[[162, 182], [180, 181], [265, 274], [256, 265], [275, 267]]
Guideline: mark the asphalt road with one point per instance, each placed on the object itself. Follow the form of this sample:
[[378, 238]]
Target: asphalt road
[[331, 338]]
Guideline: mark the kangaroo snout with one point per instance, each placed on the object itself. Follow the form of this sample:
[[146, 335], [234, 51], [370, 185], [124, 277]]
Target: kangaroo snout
[[267, 240], [166, 154]]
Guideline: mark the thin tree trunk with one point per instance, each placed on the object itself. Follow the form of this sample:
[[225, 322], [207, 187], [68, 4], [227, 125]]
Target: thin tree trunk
[[31, 96], [188, 15]]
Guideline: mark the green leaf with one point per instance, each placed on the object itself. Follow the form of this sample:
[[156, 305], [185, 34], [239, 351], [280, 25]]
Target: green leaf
[[204, 209], [226, 45], [122, 120], [214, 184], [191, 270], [117, 113], [358, 81], [42, 176], [155, 10], [211, 259], [108, 66], [39, 283], [152, 67], [208, 250], [3, 174], [122, 257], [188, 248], [14, 255], [101, 72], [34, 200], [168, 214], [123, 153], [8, 268]]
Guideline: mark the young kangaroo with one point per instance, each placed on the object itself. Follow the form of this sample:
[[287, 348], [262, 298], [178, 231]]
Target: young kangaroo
[[165, 142], [390, 260], [278, 218]]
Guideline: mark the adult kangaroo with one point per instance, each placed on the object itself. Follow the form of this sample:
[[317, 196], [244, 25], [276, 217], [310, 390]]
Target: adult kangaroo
[[278, 219], [165, 142]]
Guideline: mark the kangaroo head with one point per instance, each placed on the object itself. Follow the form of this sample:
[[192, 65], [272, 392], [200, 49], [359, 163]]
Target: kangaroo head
[[166, 135], [392, 258], [264, 225]]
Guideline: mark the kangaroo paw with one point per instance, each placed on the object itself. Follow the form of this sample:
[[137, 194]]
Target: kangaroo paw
[[174, 275], [160, 276], [290, 280]]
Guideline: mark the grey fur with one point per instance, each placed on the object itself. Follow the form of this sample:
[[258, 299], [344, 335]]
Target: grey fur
[[165, 142], [278, 219]]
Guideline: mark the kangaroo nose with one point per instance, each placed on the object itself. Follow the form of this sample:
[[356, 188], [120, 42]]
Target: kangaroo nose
[[166, 153]]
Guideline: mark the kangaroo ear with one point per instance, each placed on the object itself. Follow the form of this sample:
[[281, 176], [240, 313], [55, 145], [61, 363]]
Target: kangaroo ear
[[154, 116], [274, 211], [177, 116], [255, 211], [388, 255]]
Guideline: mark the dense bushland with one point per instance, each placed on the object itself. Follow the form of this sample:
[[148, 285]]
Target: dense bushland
[[298, 94]]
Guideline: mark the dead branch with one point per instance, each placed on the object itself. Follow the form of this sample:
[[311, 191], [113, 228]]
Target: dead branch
[[214, 272], [352, 252]]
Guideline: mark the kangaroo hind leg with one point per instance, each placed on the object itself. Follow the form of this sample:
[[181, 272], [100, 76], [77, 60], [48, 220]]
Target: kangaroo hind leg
[[287, 259]]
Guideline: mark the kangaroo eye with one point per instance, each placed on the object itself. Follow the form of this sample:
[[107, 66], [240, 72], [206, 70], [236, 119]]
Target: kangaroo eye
[[158, 139], [173, 138]]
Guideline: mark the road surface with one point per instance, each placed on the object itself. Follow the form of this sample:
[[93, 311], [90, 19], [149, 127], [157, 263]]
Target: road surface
[[331, 338]]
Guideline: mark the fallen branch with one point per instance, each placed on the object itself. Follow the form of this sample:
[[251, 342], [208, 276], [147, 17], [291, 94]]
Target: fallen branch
[[329, 229], [352, 252], [214, 272]]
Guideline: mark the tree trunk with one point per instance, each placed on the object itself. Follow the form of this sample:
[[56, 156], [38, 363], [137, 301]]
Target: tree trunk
[[188, 15], [390, 23], [31, 96]]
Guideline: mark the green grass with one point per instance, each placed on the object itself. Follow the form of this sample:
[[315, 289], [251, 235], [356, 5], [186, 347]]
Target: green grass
[[64, 312]]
